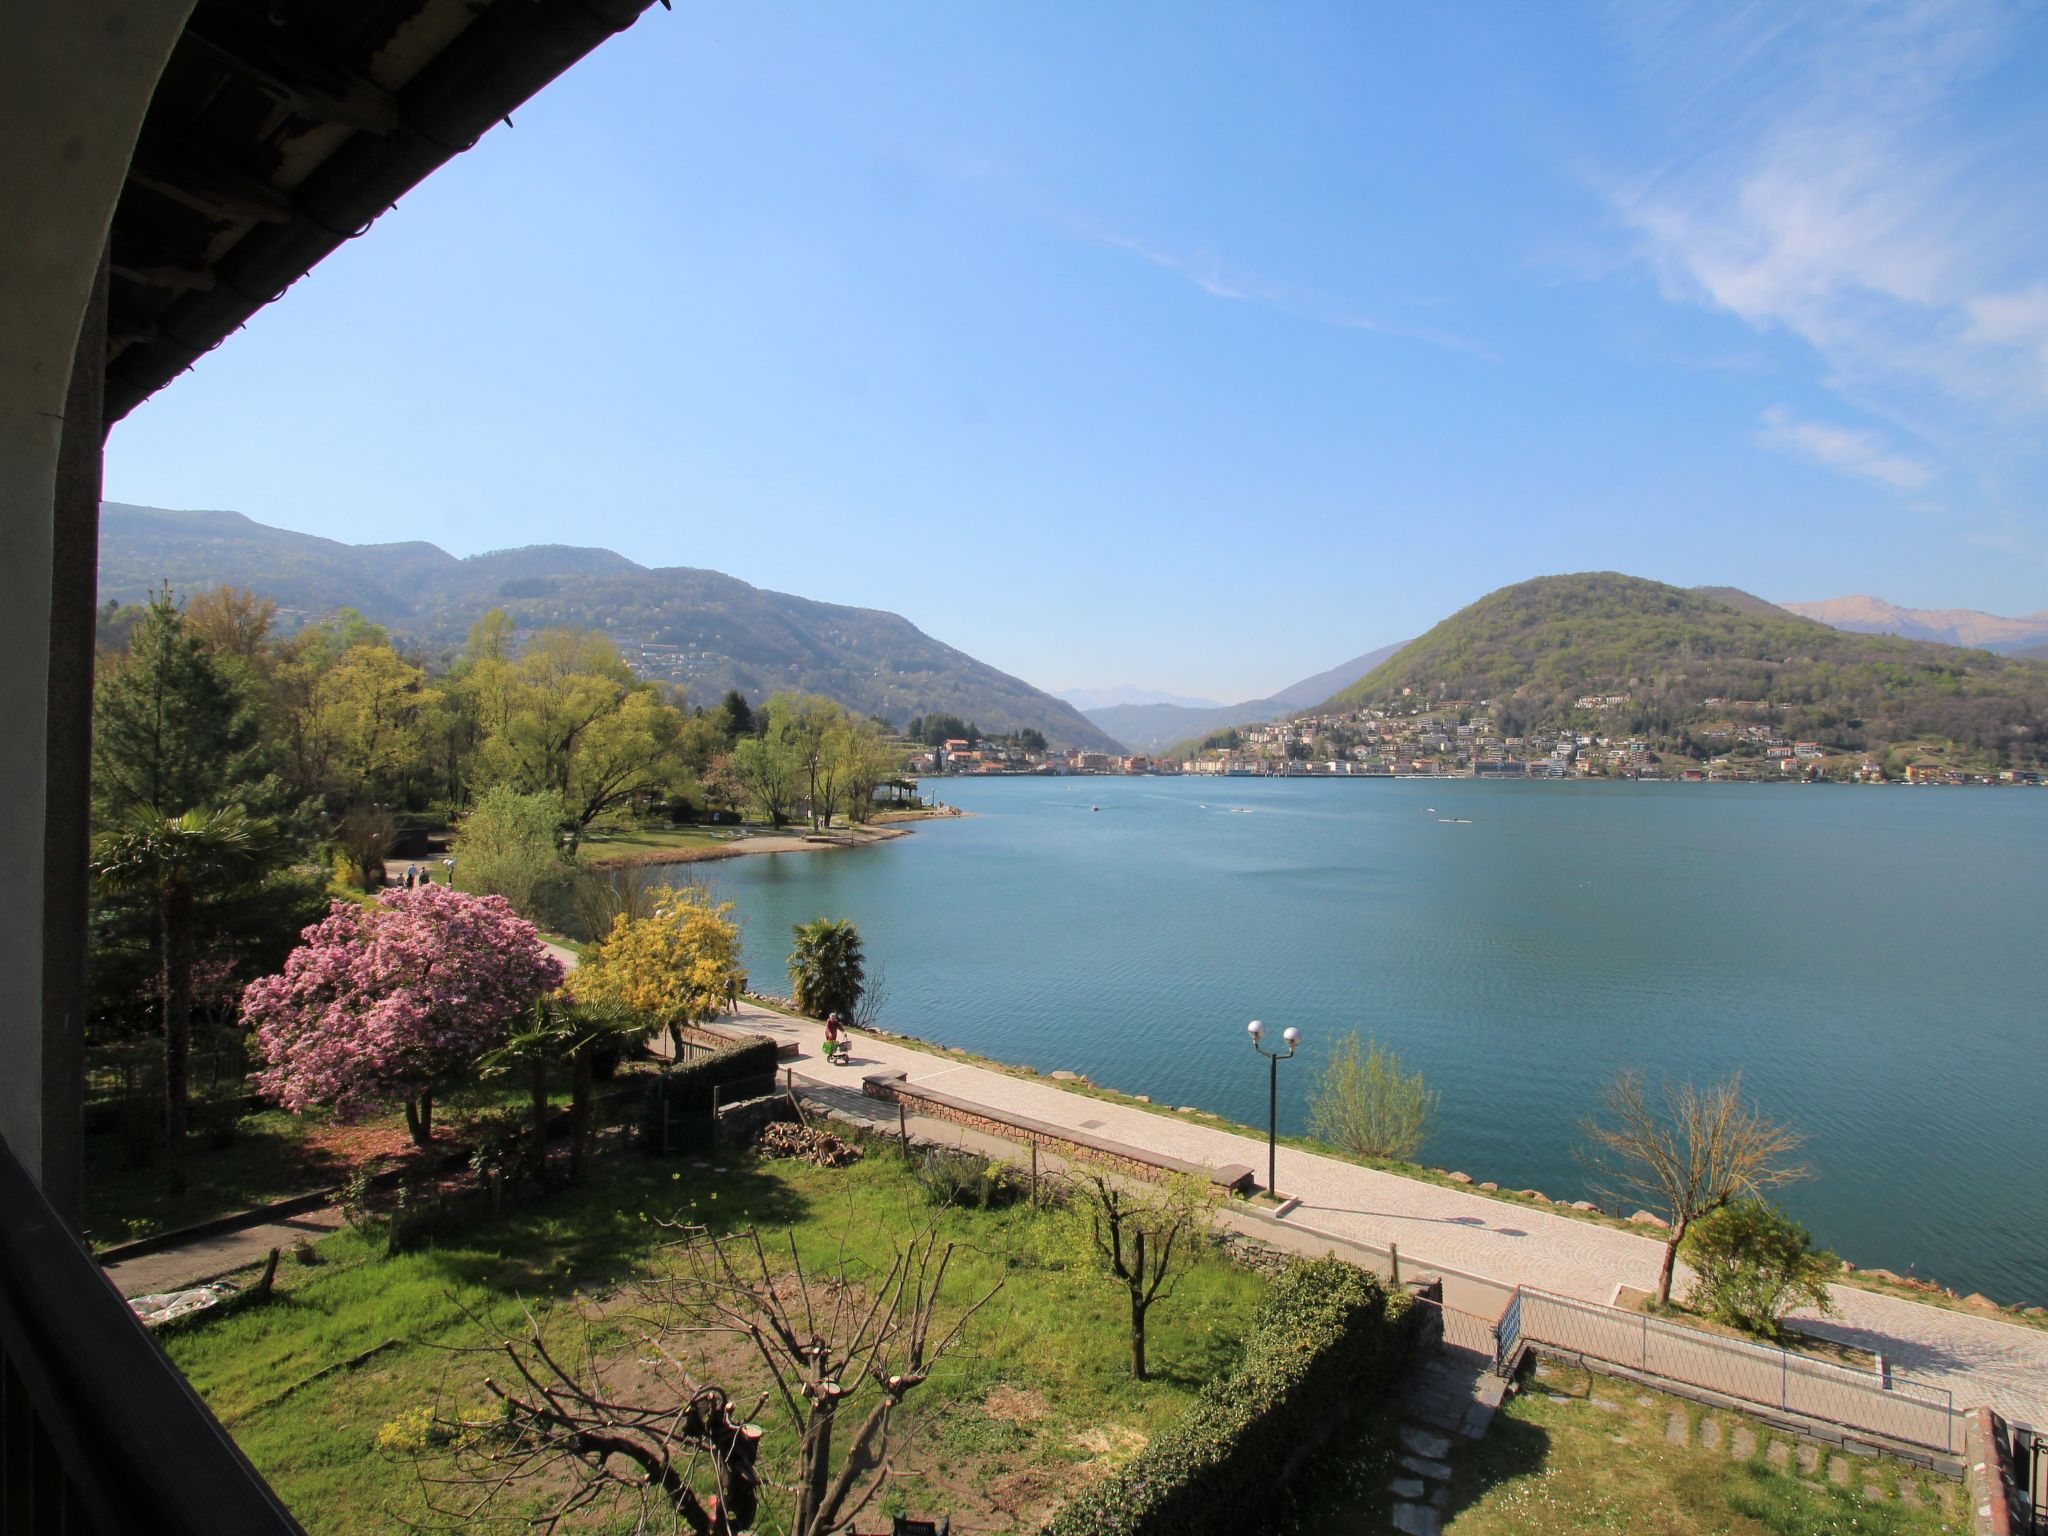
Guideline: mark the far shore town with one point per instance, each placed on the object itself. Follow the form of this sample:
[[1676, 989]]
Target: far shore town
[[1464, 738]]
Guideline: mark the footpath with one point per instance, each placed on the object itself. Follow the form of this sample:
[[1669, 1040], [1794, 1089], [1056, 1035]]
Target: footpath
[[1483, 1247]]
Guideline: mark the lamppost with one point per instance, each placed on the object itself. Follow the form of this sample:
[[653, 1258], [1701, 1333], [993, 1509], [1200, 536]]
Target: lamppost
[[1273, 1059]]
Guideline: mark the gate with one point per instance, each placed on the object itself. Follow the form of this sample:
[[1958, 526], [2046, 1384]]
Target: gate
[[2030, 1471], [1508, 1335]]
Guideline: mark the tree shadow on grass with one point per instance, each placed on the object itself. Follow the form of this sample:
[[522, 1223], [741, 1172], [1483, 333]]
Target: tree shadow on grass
[[601, 1232], [1512, 1448], [268, 1160]]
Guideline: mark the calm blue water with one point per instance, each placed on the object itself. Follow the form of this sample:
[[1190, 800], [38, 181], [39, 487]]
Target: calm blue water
[[1869, 958]]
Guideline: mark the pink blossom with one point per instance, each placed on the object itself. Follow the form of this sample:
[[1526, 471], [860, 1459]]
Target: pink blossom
[[396, 1001]]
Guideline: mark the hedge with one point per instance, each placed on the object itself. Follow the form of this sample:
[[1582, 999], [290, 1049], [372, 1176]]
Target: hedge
[[1330, 1336], [686, 1091]]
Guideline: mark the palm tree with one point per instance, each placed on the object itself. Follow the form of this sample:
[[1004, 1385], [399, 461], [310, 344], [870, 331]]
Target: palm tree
[[170, 859], [825, 967]]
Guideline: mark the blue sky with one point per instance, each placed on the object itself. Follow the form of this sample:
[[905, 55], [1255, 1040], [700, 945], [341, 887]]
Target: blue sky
[[1197, 347]]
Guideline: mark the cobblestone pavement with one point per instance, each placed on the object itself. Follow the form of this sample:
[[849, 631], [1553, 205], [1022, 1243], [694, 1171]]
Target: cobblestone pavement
[[1980, 1359]]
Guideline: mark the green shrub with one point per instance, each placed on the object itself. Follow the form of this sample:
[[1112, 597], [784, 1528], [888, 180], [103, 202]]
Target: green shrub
[[684, 1096], [965, 1178], [1329, 1336], [1753, 1265]]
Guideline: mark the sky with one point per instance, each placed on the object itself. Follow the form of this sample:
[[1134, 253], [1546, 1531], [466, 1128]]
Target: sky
[[1197, 347]]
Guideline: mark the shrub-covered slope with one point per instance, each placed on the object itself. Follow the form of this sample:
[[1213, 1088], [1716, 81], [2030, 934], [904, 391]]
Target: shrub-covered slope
[[1684, 659]]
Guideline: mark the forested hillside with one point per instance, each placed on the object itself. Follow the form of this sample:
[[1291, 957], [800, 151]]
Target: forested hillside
[[1682, 660], [705, 631]]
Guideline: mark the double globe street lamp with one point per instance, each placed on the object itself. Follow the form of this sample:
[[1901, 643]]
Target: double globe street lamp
[[1273, 1059]]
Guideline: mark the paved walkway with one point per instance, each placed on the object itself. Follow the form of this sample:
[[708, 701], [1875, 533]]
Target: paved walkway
[[1496, 1245], [209, 1258]]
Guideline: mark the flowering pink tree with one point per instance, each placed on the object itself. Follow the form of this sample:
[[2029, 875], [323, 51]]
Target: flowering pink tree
[[395, 1002]]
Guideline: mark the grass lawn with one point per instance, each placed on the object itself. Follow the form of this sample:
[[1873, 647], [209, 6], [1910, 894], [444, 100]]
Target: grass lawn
[[1574, 1452], [600, 843], [1038, 1400]]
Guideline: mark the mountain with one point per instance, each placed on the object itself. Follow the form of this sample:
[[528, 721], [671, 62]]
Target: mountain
[[708, 631], [1153, 727], [1951, 626], [1684, 660], [1085, 699]]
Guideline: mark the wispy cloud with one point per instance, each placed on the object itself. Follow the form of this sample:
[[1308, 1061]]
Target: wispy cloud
[[1210, 275], [1844, 449], [1832, 181]]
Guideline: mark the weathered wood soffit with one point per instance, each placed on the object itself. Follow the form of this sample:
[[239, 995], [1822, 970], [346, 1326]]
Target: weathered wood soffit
[[282, 128]]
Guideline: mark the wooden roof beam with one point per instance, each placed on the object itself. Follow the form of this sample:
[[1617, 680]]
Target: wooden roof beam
[[176, 277], [310, 88], [209, 186]]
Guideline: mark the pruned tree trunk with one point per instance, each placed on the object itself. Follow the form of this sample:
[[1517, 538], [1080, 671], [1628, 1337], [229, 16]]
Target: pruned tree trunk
[[1668, 1267], [419, 1120], [579, 1116], [537, 1085], [1138, 1305], [177, 978]]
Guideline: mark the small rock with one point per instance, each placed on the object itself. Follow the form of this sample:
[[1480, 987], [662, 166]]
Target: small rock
[[1778, 1454], [1489, 1186], [1422, 1466], [1809, 1457], [2034, 1311], [1417, 1520], [1142, 1098], [1677, 1429], [1710, 1433], [1651, 1219], [1874, 1491], [1885, 1274], [1742, 1444], [1848, 1268], [1533, 1194], [1186, 1109], [1585, 1205], [1644, 1400], [1979, 1299], [1424, 1442], [1064, 1076], [1604, 1404], [1909, 1495], [1407, 1488], [1459, 1178], [1838, 1471]]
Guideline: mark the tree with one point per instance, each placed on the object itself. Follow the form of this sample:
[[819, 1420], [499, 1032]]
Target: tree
[[171, 859], [765, 768], [661, 1451], [736, 716], [866, 760], [806, 722], [1691, 1150], [1146, 1236], [174, 729], [667, 969], [1364, 1103], [395, 1002], [232, 622], [509, 845], [365, 834], [1752, 1264], [826, 967]]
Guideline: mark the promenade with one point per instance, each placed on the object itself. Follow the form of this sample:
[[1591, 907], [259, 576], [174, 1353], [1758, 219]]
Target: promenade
[[1492, 1244]]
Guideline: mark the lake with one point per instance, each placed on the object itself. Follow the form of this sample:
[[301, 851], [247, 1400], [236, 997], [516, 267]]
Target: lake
[[1868, 958]]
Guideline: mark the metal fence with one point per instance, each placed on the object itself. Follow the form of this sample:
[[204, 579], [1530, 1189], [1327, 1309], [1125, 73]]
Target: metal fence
[[1456, 1331], [1908, 1411]]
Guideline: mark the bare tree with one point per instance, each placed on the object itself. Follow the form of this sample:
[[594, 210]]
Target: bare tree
[[1146, 1237], [365, 835], [874, 997], [675, 1450], [1688, 1149]]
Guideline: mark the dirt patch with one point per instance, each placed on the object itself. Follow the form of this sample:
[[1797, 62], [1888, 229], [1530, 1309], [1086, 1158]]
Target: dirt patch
[[1015, 1406]]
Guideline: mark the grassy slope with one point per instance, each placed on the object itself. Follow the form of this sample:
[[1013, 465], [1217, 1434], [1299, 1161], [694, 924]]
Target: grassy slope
[[1049, 1333], [1537, 646], [1582, 1453]]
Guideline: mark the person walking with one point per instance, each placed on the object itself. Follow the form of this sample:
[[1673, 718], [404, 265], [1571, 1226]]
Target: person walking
[[835, 1039]]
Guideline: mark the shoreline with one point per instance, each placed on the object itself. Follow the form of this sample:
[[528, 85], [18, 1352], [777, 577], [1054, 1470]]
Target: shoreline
[[883, 828]]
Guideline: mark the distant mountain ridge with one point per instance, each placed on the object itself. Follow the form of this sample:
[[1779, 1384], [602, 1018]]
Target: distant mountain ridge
[[1154, 727], [1682, 661], [700, 628], [1950, 626], [1085, 699]]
